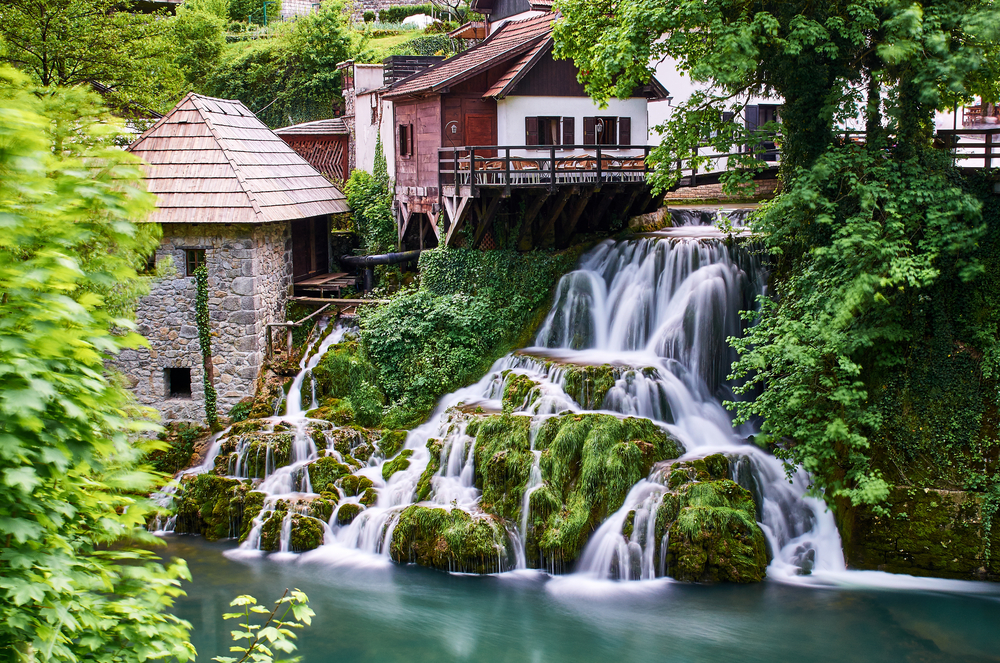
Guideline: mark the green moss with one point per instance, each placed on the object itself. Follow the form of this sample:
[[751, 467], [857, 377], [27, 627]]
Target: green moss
[[369, 497], [322, 507], [449, 540], [335, 410], [353, 484], [307, 533], [588, 385], [709, 468], [348, 512], [520, 392], [391, 442], [355, 442], [588, 464], [716, 544], [252, 506], [927, 532], [397, 464], [210, 505], [324, 473], [433, 466], [256, 447], [346, 377]]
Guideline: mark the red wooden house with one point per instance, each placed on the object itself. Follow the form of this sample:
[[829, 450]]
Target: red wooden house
[[503, 131]]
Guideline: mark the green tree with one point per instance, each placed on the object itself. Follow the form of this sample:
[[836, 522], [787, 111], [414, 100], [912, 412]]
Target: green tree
[[370, 198], [201, 38], [862, 232], [74, 586], [291, 77], [74, 42]]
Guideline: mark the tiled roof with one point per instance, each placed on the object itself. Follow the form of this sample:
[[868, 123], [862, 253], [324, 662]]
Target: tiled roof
[[507, 82], [212, 161], [541, 5], [510, 41], [473, 30], [334, 125]]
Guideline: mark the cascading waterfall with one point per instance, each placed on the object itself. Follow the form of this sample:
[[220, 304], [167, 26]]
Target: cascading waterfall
[[659, 310]]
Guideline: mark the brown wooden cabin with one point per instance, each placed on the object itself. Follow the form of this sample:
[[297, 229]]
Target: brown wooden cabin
[[503, 130], [323, 143]]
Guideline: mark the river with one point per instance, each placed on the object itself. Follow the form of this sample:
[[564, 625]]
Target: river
[[380, 612]]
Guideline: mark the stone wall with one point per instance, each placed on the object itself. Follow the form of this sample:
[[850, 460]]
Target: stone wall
[[249, 272], [762, 189], [291, 8]]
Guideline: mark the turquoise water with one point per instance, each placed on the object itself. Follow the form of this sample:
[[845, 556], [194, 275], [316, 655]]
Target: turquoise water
[[371, 611]]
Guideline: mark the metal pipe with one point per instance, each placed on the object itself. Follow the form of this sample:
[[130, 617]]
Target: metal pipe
[[369, 262]]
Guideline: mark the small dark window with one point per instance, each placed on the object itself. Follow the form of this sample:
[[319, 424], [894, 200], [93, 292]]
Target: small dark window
[[542, 130], [607, 130], [193, 258], [406, 140], [150, 265], [177, 382], [601, 130]]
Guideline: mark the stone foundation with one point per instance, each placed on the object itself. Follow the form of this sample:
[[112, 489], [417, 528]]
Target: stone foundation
[[762, 189], [249, 273]]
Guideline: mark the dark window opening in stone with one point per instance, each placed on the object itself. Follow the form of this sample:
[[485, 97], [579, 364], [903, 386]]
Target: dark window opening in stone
[[194, 258], [150, 265], [178, 382]]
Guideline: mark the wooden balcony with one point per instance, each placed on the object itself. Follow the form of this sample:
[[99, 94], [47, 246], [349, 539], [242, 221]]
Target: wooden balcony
[[464, 170]]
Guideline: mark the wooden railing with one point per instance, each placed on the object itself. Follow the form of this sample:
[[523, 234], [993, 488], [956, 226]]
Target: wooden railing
[[507, 166], [972, 148], [517, 166]]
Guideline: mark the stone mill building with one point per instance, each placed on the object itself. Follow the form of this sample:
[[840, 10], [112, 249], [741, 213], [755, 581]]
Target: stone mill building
[[235, 197]]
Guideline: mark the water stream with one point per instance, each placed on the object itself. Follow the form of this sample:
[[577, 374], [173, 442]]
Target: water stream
[[659, 308]]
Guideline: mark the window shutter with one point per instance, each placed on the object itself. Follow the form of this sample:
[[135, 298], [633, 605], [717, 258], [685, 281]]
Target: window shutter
[[590, 131], [753, 117], [569, 131], [624, 131], [531, 131], [409, 141], [728, 116]]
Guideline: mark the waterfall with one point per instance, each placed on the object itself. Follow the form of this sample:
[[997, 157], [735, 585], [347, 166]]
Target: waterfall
[[658, 310]]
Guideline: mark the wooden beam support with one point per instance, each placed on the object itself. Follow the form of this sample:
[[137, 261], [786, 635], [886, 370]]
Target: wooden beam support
[[457, 217], [532, 210], [576, 210], [602, 206], [486, 220], [404, 220], [554, 213]]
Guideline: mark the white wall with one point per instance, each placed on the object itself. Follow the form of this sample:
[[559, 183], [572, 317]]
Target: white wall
[[366, 133], [680, 88], [512, 110]]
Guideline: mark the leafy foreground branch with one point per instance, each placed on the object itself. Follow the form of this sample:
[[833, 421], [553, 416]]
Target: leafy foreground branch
[[275, 634]]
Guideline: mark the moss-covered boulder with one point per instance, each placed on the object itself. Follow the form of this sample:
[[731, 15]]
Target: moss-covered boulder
[[589, 385], [335, 410], [324, 473], [391, 442], [714, 537], [348, 512], [252, 454], [519, 392], [588, 463], [925, 532], [210, 505], [345, 375], [355, 443], [307, 533], [425, 484], [449, 540], [397, 464]]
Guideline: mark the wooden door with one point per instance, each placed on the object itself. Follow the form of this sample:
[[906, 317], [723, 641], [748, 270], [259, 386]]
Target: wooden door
[[481, 130]]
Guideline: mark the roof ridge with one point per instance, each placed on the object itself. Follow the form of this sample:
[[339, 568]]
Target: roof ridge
[[229, 157]]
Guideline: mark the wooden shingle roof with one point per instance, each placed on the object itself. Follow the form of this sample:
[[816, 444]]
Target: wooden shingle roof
[[212, 161], [511, 40], [318, 128]]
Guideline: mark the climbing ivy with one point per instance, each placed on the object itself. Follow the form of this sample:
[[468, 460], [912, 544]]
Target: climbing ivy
[[205, 341], [370, 198]]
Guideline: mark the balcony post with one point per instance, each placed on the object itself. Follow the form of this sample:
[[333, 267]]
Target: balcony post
[[552, 164], [506, 173], [472, 172], [600, 177]]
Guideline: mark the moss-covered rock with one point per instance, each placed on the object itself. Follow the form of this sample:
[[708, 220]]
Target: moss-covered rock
[[589, 385], [210, 505], [252, 506], [324, 473], [355, 442], [345, 375], [397, 464], [335, 410], [348, 512], [714, 537], [588, 463], [424, 484], [449, 540], [520, 391], [927, 532], [391, 442], [307, 533], [708, 468], [353, 484], [250, 453]]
